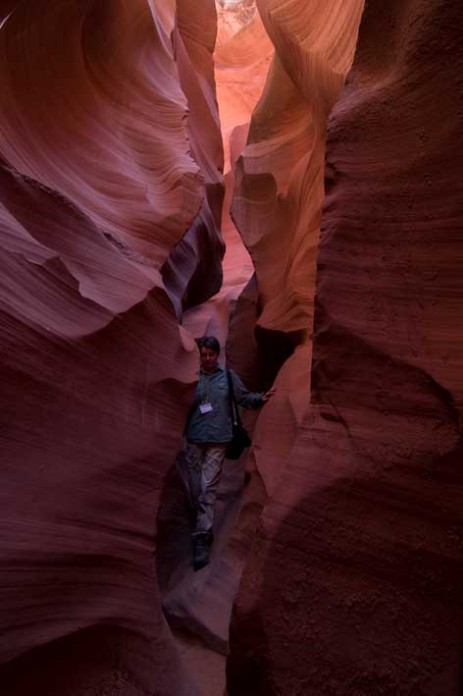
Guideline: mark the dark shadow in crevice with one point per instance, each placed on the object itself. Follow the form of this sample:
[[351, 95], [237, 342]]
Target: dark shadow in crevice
[[248, 667], [174, 526], [256, 353], [96, 660], [359, 592], [192, 273]]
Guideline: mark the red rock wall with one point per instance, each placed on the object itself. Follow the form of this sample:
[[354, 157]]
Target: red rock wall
[[200, 603], [105, 165], [277, 208], [352, 585], [279, 180], [111, 192]]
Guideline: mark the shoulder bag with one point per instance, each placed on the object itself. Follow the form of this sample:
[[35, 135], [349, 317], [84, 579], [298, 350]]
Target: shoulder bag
[[240, 439]]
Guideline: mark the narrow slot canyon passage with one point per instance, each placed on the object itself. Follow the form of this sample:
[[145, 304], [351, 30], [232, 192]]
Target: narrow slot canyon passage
[[285, 175], [198, 606]]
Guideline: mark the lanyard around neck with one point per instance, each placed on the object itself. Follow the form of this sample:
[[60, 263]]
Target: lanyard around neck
[[204, 388]]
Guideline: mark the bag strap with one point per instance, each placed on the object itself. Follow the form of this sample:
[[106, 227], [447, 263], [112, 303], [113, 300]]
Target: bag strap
[[233, 405]]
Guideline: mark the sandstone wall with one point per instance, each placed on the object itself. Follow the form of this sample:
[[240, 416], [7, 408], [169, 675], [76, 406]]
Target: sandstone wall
[[111, 193], [112, 187], [352, 583]]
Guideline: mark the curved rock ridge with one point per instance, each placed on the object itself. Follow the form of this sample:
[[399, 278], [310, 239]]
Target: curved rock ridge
[[201, 602], [91, 139], [352, 585], [111, 160], [115, 189], [242, 57], [277, 207], [193, 272], [279, 178]]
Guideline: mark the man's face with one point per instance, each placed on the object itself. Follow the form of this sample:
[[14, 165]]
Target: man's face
[[209, 359]]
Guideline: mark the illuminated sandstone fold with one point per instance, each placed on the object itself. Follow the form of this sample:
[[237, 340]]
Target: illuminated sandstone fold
[[353, 586], [110, 157], [277, 207], [279, 177], [241, 58], [201, 602], [193, 272]]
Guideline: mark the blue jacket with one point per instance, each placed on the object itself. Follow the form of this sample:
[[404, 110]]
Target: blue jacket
[[216, 425]]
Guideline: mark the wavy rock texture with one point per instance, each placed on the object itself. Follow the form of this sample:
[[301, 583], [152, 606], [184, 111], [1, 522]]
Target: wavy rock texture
[[242, 57], [111, 168], [112, 184], [352, 586], [192, 272], [277, 206], [201, 603], [279, 189]]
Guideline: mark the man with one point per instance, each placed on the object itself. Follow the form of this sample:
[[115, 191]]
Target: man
[[208, 432]]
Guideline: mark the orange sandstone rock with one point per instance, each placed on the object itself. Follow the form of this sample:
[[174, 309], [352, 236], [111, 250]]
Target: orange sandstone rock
[[105, 167], [352, 585], [279, 178]]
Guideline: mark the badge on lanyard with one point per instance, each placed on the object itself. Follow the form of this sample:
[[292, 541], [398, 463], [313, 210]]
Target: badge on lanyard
[[205, 408]]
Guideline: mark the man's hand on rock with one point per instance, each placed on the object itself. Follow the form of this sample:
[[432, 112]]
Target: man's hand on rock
[[268, 394]]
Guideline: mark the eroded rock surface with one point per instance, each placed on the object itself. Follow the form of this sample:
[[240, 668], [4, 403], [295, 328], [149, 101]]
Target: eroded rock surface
[[279, 177], [201, 603], [111, 178], [112, 229], [352, 584]]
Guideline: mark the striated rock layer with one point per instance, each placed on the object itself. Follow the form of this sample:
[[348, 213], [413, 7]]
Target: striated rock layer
[[111, 192], [279, 177], [198, 605], [277, 208], [353, 583], [112, 187]]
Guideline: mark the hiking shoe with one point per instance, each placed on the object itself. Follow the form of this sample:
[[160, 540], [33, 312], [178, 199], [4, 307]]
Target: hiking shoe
[[200, 551]]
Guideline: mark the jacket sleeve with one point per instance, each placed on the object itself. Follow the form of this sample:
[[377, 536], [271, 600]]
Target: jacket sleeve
[[243, 396]]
